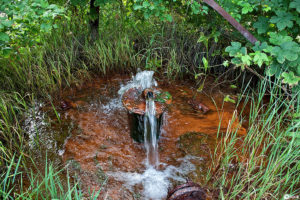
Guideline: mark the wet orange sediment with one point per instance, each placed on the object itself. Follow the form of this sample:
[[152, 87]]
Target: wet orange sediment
[[103, 139]]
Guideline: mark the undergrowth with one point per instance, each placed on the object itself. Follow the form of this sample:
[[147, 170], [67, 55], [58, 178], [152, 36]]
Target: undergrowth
[[268, 160]]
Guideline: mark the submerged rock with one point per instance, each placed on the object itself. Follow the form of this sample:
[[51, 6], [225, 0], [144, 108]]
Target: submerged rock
[[197, 144], [198, 106]]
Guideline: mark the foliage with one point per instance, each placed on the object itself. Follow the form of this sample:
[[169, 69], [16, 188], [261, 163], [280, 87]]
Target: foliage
[[157, 8], [277, 27], [163, 97], [22, 23]]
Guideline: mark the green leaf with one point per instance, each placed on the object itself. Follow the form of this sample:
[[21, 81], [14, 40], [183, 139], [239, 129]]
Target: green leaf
[[262, 25], [146, 4], [261, 46], [278, 39], [4, 37], [295, 4], [274, 69], [205, 63], [283, 20], [286, 51], [246, 59], [226, 63], [290, 78], [202, 38], [7, 23], [234, 48], [169, 18], [260, 58], [46, 27], [137, 7], [146, 15], [229, 99], [295, 66], [246, 7]]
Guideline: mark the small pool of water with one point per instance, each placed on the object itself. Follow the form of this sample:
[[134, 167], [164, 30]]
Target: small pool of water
[[93, 139]]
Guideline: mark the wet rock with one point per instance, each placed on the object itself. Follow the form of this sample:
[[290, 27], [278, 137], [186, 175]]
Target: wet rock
[[67, 104], [187, 191], [196, 144], [198, 106]]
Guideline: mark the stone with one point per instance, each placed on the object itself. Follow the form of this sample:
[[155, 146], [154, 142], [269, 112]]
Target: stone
[[187, 191], [198, 106]]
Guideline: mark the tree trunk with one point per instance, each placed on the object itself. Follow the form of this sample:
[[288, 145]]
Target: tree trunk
[[94, 20]]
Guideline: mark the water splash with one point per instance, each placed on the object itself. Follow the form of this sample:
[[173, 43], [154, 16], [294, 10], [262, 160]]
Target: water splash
[[157, 182], [142, 80]]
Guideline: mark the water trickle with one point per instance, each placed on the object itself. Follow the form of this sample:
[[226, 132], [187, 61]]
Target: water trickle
[[150, 134], [142, 81]]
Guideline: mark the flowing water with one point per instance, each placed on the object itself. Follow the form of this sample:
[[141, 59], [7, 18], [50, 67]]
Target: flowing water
[[93, 138], [150, 133]]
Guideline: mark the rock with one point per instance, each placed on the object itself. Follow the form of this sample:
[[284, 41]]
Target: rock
[[198, 106], [187, 191], [66, 104]]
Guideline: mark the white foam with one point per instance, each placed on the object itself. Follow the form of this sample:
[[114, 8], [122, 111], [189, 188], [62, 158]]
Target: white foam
[[156, 182], [142, 80]]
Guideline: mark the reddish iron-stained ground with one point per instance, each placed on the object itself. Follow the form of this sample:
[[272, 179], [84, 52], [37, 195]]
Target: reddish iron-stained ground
[[102, 141]]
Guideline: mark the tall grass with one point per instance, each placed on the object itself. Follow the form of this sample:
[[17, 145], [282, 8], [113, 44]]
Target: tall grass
[[266, 165], [11, 135], [46, 185]]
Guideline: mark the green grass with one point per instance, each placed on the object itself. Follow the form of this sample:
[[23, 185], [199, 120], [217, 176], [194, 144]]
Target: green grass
[[42, 185], [266, 165]]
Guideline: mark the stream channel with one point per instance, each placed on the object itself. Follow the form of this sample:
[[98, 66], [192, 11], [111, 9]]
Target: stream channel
[[92, 139]]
